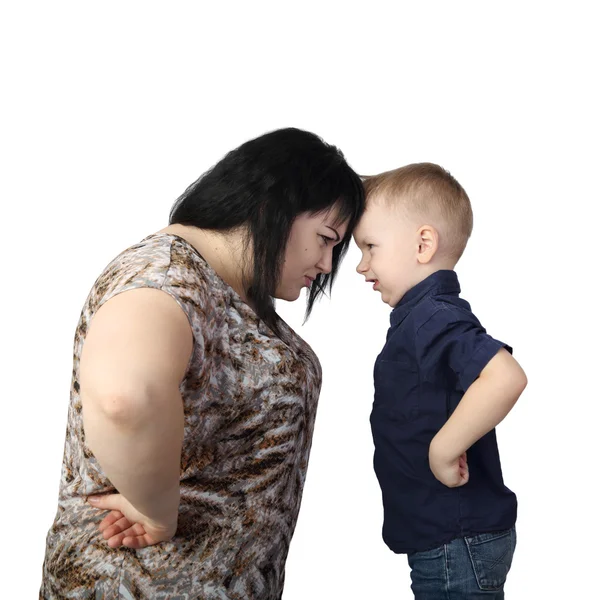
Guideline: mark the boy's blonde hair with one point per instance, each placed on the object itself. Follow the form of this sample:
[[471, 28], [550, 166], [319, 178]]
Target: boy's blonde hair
[[428, 192]]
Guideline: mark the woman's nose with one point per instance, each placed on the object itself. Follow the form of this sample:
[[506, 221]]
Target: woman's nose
[[326, 262]]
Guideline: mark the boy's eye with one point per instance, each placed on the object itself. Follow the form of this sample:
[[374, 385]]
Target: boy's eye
[[370, 246]]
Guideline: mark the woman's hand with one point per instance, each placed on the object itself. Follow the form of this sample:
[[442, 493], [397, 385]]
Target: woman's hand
[[126, 526]]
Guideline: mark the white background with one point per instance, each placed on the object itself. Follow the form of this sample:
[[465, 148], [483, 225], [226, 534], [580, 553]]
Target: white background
[[109, 110]]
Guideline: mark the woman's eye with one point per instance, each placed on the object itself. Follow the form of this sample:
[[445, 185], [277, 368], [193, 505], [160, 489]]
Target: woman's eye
[[327, 239]]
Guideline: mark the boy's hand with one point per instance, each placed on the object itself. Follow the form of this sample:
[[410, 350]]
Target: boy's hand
[[451, 472], [126, 526]]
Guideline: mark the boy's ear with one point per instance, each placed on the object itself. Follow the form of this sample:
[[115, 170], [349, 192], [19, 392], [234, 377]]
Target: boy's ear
[[428, 238]]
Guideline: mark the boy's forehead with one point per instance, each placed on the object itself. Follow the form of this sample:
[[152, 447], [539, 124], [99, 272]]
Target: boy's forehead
[[377, 212], [380, 218], [371, 222], [384, 203]]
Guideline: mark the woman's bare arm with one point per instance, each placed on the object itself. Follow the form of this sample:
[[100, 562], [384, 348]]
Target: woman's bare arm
[[135, 355]]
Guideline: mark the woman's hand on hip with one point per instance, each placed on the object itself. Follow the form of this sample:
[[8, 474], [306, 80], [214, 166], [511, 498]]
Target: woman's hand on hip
[[126, 526]]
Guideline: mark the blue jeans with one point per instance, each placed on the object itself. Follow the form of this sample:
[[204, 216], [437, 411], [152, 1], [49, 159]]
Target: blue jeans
[[470, 568]]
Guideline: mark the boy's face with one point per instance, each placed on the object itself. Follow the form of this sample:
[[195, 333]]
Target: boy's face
[[389, 243]]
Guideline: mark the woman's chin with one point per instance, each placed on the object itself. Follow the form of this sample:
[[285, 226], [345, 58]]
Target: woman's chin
[[288, 295]]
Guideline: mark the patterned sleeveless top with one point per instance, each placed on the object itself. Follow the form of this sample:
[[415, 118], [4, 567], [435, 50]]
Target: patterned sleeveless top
[[249, 402]]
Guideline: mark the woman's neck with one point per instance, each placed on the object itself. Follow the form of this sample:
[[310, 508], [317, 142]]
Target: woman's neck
[[225, 253]]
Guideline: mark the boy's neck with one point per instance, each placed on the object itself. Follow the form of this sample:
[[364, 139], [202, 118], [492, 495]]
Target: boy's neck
[[426, 271], [432, 267]]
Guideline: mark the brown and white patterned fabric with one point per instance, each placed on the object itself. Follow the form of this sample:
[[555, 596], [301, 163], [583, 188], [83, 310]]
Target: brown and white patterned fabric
[[249, 400]]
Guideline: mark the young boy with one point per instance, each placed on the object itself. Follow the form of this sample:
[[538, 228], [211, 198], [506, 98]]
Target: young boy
[[442, 384]]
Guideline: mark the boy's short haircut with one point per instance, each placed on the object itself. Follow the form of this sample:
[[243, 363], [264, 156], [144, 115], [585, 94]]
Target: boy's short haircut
[[429, 192]]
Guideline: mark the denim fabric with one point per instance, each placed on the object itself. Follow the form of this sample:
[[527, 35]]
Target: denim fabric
[[469, 568]]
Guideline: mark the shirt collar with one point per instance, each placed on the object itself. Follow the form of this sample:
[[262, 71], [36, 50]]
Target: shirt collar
[[440, 282]]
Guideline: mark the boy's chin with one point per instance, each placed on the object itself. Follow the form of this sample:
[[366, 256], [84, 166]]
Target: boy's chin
[[385, 299], [389, 300]]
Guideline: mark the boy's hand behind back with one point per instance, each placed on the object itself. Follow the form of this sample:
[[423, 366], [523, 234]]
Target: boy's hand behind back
[[452, 473]]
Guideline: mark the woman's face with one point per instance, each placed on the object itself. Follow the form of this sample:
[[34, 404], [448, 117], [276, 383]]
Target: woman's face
[[309, 252]]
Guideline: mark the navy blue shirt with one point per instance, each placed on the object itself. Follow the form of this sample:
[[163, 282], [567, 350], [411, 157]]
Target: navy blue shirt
[[435, 349]]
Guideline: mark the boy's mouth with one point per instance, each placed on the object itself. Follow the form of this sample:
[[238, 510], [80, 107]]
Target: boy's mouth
[[375, 282]]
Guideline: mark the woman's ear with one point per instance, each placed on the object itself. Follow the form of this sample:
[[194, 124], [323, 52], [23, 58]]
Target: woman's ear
[[428, 243]]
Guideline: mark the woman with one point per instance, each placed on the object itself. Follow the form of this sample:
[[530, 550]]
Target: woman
[[192, 402]]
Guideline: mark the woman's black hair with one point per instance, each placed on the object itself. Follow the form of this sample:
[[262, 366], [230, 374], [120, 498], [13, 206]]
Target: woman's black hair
[[264, 184]]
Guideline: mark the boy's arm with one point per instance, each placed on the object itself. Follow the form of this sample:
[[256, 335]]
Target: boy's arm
[[485, 404]]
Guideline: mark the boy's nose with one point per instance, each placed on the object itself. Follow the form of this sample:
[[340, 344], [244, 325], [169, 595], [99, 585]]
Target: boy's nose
[[360, 268]]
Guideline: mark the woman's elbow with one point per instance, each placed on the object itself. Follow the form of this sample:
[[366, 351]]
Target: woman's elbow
[[120, 409]]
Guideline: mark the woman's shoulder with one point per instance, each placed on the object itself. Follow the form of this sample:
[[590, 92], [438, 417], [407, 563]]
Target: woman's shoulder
[[161, 261]]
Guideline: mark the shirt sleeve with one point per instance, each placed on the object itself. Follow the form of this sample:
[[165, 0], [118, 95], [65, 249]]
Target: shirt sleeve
[[454, 340]]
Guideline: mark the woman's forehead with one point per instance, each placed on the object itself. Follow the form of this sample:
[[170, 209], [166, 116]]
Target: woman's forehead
[[332, 218], [335, 217]]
